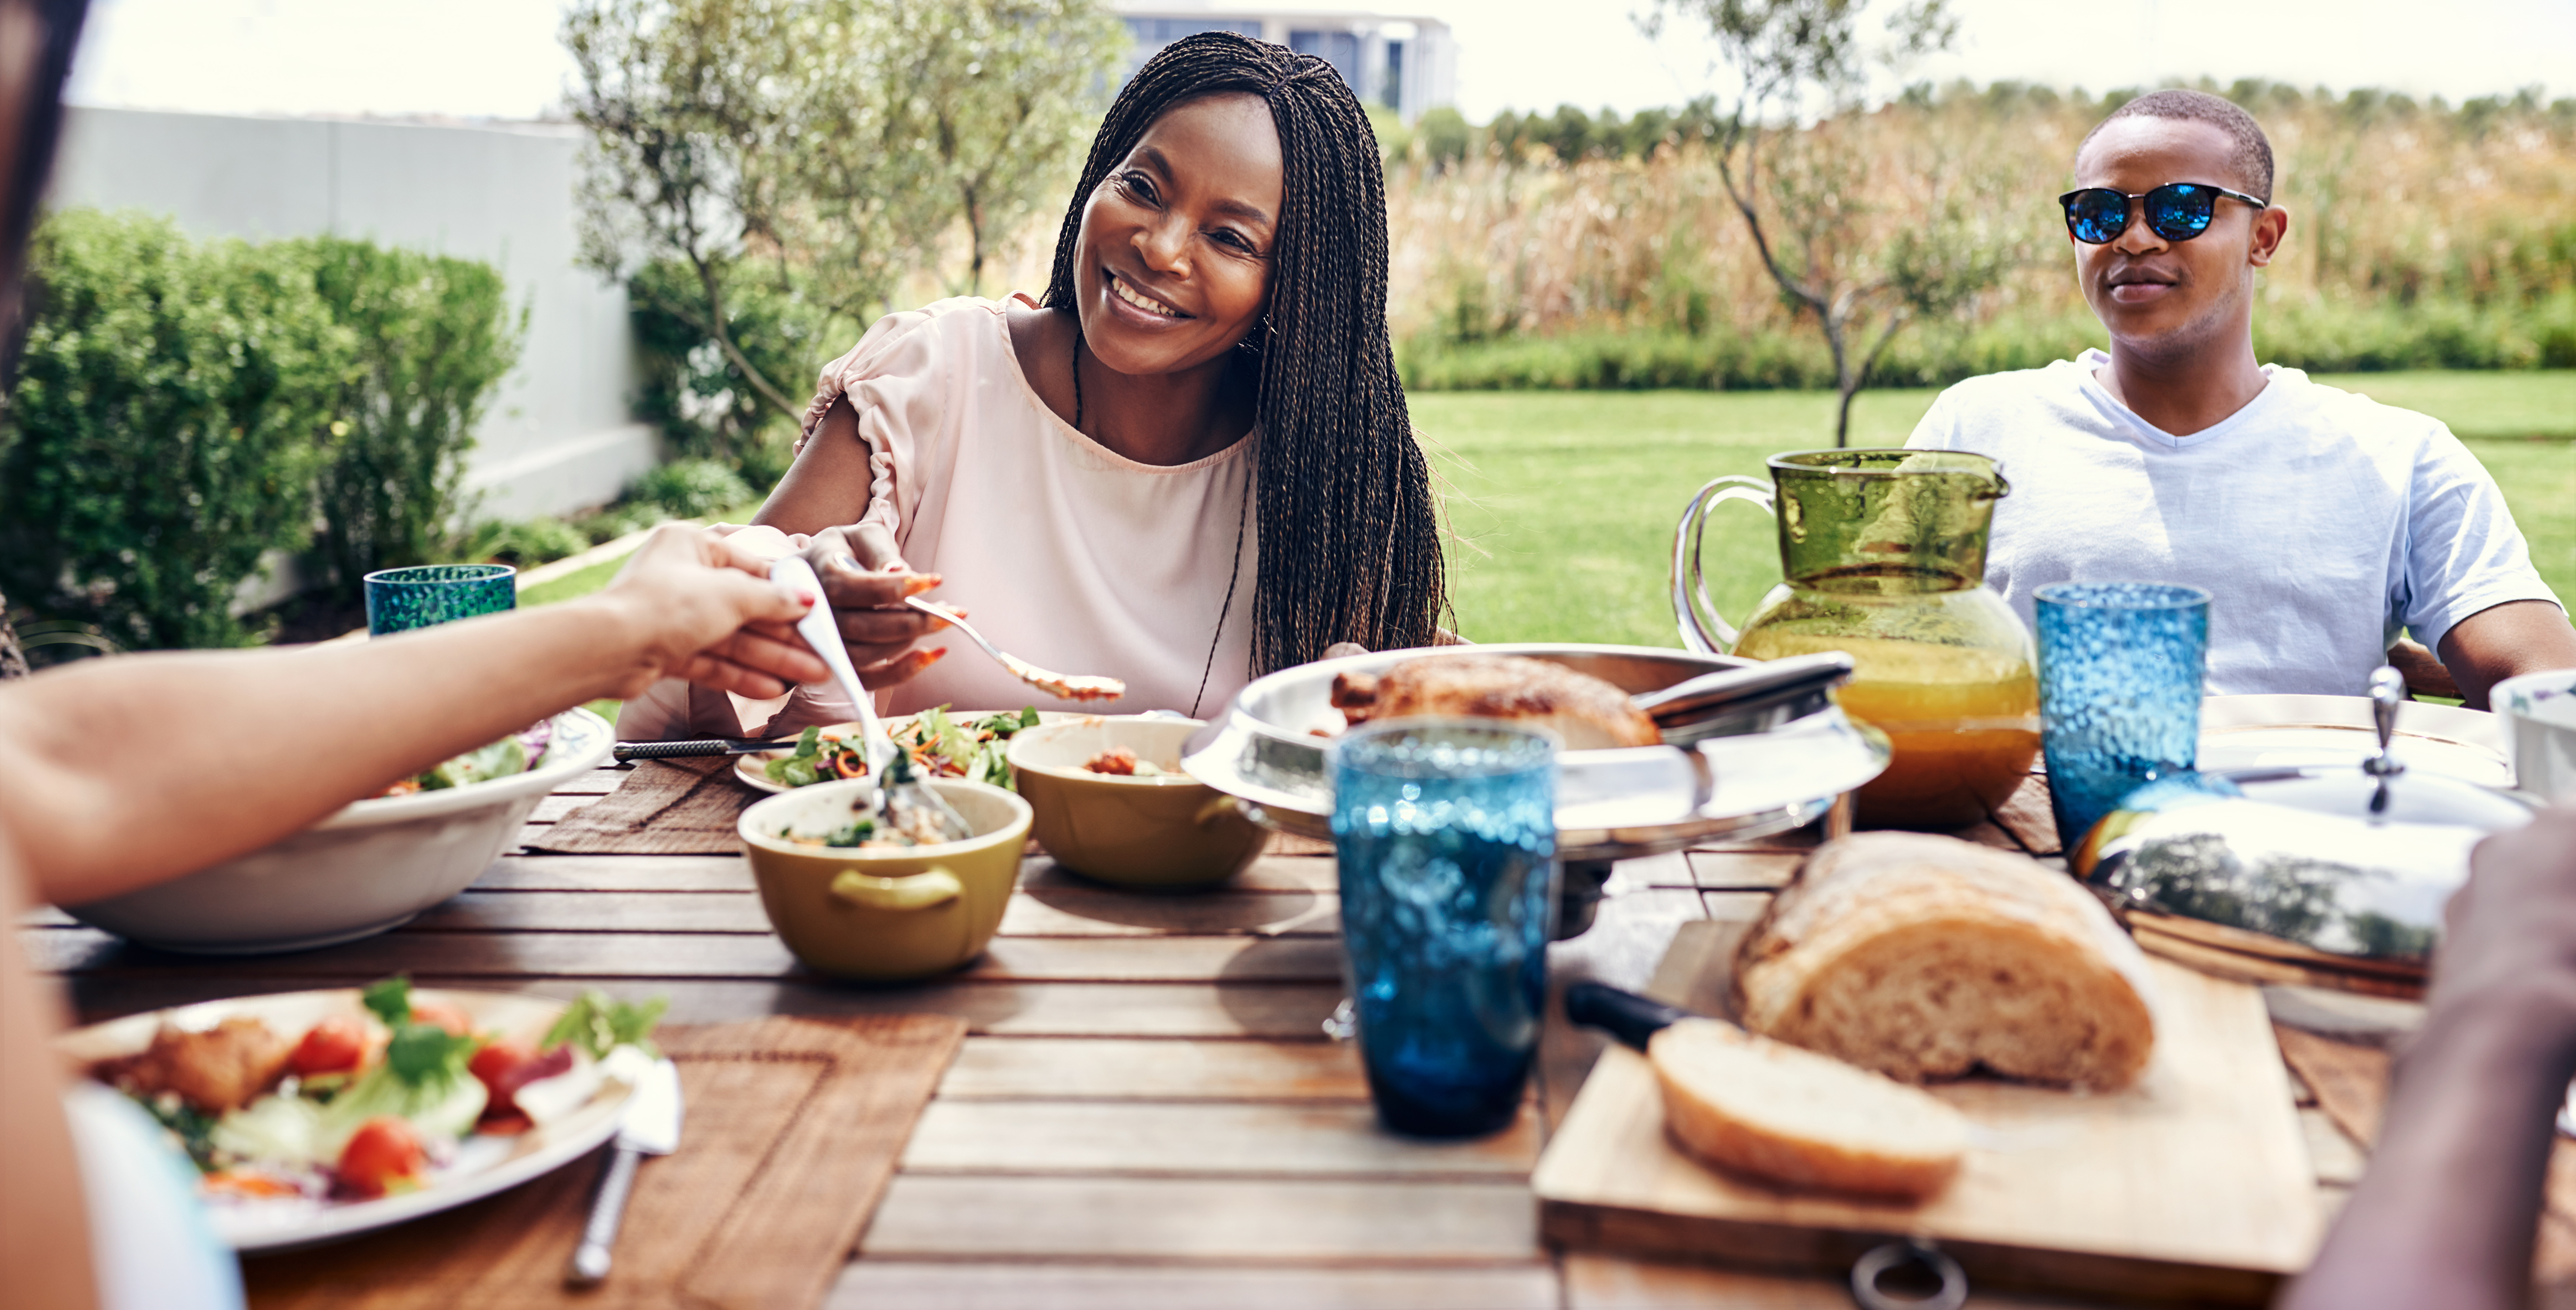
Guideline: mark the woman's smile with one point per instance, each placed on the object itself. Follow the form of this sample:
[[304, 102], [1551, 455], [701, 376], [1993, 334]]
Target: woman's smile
[[1125, 293]]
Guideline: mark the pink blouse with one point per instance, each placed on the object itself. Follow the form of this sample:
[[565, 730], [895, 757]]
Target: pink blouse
[[1064, 553]]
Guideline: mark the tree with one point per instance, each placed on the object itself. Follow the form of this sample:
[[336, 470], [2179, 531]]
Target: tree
[[825, 146], [1800, 190], [1004, 94], [715, 123]]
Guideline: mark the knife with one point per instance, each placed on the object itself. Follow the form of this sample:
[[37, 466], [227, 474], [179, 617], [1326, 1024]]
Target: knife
[[651, 1126], [673, 750], [1631, 1018]]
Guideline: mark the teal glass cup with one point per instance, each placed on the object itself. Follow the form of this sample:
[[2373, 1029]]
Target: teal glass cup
[[399, 600], [1445, 830], [2121, 665]]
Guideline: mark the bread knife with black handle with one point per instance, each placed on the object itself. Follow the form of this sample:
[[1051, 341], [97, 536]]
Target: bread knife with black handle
[[1631, 1018]]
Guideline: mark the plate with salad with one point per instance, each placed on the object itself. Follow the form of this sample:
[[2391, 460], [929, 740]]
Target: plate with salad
[[317, 1115], [942, 743]]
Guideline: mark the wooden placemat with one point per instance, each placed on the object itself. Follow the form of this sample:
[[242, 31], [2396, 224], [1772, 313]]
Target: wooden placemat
[[664, 807], [793, 1127]]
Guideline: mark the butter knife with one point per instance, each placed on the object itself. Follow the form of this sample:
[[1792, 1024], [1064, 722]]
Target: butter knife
[[625, 751], [651, 1126]]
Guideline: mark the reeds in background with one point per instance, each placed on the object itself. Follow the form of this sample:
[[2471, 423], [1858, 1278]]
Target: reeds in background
[[1574, 251]]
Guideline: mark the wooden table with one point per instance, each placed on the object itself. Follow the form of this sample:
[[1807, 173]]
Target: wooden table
[[1146, 1111]]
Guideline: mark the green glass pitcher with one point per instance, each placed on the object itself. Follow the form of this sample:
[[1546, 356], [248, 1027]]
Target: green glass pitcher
[[1883, 556]]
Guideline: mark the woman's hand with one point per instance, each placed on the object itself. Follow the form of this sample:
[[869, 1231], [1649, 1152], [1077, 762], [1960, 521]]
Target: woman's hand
[[703, 609], [866, 581]]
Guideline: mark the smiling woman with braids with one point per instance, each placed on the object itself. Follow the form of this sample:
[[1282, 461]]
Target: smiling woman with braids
[[1188, 464]]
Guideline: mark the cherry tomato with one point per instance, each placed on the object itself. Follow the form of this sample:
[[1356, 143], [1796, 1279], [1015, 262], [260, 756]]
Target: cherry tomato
[[505, 1067], [334, 1045], [442, 1015], [497, 1059], [384, 1155]]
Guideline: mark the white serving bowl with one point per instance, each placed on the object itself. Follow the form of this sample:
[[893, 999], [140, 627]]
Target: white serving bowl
[[361, 871], [2538, 711]]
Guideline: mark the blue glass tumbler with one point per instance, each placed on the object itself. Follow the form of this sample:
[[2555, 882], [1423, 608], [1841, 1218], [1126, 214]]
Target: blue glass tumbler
[[2120, 672], [399, 600], [1446, 834]]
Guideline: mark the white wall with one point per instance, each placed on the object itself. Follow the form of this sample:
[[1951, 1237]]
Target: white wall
[[559, 434]]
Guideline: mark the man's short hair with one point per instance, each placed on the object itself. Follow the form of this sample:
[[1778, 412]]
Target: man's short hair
[[2253, 158]]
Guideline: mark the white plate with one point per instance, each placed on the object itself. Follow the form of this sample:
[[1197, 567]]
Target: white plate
[[483, 1165], [2246, 732], [749, 768]]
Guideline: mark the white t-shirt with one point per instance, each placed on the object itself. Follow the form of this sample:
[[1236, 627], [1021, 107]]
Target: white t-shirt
[[2320, 522]]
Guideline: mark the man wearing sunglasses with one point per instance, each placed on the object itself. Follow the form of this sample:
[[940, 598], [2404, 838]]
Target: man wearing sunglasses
[[2321, 523]]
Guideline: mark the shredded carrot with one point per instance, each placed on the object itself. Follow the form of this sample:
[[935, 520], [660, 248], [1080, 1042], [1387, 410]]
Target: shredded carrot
[[244, 1182]]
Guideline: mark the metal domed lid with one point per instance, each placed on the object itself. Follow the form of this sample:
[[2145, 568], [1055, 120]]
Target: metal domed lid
[[2292, 863]]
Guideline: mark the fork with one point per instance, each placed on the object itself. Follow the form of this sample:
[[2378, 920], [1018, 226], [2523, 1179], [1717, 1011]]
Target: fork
[[1058, 685]]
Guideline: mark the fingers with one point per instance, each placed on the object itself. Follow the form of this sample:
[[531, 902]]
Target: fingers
[[784, 659], [902, 668], [707, 670], [885, 627]]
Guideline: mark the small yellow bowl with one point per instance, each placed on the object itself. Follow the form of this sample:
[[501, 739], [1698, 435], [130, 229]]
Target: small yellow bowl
[[1166, 832], [885, 915]]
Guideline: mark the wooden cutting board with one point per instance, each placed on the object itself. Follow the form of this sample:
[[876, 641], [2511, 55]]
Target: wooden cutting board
[[2193, 1185]]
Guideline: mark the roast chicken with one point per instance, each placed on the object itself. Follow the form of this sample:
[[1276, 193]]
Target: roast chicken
[[1584, 711]]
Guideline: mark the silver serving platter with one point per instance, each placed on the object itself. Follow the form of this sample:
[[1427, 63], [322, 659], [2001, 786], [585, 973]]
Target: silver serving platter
[[1779, 768]]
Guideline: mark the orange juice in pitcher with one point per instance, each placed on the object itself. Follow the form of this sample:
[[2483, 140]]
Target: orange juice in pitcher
[[1883, 554]]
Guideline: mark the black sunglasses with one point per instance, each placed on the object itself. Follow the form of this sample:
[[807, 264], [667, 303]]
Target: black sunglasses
[[2176, 211]]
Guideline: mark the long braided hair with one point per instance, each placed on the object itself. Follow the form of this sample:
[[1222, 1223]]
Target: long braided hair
[[1350, 540]]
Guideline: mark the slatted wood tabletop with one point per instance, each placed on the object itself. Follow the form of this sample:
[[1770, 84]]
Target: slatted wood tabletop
[[1145, 1112]]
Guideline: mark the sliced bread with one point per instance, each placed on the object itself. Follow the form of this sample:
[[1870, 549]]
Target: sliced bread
[[1926, 957], [1793, 1117]]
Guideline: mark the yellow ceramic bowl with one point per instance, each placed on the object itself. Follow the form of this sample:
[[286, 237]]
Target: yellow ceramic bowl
[[885, 915], [1158, 832]]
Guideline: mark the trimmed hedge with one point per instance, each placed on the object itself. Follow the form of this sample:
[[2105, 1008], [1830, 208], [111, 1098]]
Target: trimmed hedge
[[2321, 337], [185, 407], [172, 406]]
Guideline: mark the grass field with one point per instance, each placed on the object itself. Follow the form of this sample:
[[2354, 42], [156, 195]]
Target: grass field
[[1565, 501]]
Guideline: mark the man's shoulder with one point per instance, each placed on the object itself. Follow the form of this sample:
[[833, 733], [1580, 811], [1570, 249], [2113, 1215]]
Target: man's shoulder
[[2353, 416]]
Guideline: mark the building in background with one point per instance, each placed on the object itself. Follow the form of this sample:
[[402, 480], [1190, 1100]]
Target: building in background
[[560, 432], [1407, 64]]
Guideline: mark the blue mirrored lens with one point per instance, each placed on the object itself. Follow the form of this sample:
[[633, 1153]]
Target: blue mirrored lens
[[2097, 216], [2179, 210]]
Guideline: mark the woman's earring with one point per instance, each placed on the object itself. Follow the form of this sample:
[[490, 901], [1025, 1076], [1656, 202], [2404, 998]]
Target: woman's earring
[[1255, 340]]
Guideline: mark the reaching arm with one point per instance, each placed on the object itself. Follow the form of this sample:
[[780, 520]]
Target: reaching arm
[[2501, 641], [2447, 1213], [118, 773]]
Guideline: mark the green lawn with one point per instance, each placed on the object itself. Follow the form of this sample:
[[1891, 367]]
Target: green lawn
[[1565, 501]]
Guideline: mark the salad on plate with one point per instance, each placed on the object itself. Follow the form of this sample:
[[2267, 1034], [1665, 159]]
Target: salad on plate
[[508, 757], [942, 745], [362, 1106]]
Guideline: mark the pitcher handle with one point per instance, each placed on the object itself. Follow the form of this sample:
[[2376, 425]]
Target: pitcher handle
[[1697, 620]]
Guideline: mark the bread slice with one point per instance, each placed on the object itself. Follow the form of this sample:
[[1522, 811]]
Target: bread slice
[[1789, 1116], [1926, 957]]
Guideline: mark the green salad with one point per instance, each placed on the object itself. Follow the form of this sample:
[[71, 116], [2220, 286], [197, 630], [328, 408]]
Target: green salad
[[942, 745]]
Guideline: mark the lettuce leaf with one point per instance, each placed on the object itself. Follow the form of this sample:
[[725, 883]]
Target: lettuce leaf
[[599, 1023]]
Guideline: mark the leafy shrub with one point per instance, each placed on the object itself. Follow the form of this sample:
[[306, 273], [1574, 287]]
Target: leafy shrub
[[690, 488], [172, 407], [526, 544], [435, 336], [705, 408]]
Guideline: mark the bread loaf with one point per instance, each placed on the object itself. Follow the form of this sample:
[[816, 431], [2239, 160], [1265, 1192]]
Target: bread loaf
[[1794, 1117], [1926, 957]]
